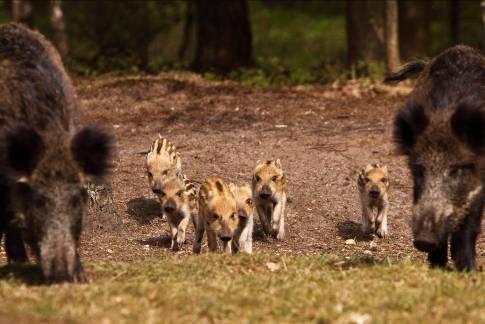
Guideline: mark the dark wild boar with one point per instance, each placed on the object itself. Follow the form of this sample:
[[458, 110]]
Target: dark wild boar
[[44, 158], [441, 129]]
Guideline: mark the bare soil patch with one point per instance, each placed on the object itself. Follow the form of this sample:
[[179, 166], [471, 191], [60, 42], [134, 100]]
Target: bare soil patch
[[323, 136]]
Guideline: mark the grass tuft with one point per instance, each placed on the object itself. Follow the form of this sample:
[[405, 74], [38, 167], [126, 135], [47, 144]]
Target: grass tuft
[[248, 289]]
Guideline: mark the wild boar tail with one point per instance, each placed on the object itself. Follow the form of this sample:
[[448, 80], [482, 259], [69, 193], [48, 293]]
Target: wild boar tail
[[409, 70]]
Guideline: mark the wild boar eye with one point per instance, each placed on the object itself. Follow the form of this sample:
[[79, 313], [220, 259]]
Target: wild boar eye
[[274, 178], [39, 202]]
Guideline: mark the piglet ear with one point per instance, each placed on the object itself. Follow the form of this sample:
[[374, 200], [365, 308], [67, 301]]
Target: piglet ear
[[409, 123], [25, 149], [468, 124], [92, 148]]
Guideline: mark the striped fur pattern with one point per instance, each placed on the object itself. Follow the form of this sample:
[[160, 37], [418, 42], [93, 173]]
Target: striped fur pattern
[[373, 184], [178, 199], [217, 215], [243, 238], [269, 194], [161, 160]]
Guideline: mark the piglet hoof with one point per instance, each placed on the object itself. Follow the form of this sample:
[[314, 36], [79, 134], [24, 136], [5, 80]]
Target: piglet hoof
[[382, 232]]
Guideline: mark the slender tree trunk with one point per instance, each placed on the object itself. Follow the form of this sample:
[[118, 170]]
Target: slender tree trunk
[[58, 25], [189, 19], [414, 28], [22, 12], [223, 35], [482, 5], [392, 36], [365, 34], [454, 9]]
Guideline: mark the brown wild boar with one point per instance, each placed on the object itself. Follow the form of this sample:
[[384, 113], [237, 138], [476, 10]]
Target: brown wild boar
[[45, 159], [217, 215], [373, 184], [441, 129]]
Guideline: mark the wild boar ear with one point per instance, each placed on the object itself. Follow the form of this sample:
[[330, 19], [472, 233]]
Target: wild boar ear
[[219, 186], [367, 168], [284, 180], [178, 164], [277, 163], [25, 148], [409, 123], [468, 124], [92, 148]]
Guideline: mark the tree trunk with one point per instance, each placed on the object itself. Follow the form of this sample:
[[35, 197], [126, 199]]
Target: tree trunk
[[454, 10], [414, 28], [57, 22], [365, 34], [22, 12], [223, 35], [189, 15], [392, 36], [482, 5]]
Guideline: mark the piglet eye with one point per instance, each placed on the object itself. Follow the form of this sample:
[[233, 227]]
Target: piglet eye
[[165, 172], [384, 180], [249, 201], [274, 178], [233, 216], [180, 193], [215, 216], [150, 175], [257, 178], [162, 193]]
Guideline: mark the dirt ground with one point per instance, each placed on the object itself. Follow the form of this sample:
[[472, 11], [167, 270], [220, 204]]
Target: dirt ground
[[323, 136]]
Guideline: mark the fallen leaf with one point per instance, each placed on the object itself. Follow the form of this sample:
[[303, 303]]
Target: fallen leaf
[[350, 242], [273, 266]]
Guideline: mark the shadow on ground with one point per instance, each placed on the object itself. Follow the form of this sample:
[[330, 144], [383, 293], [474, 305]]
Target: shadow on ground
[[352, 230], [143, 210], [30, 274], [159, 241]]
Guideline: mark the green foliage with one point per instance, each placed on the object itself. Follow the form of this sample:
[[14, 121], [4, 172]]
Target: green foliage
[[258, 288], [294, 42]]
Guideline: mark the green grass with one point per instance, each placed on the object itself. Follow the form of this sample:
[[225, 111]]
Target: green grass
[[243, 289]]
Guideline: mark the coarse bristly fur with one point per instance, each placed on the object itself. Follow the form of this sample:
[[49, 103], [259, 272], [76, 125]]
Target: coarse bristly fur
[[178, 199], [269, 195], [45, 159], [160, 161], [441, 129], [243, 237], [373, 184], [217, 215]]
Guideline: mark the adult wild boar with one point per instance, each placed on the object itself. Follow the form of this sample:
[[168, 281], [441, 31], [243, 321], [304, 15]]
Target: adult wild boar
[[441, 129], [44, 158]]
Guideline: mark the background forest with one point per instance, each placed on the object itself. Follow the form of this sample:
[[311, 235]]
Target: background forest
[[255, 41]]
